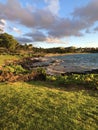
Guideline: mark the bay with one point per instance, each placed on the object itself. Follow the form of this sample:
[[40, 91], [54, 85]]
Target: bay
[[76, 62]]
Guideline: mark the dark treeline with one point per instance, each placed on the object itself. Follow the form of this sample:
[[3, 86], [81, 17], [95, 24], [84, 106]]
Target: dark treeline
[[9, 44], [71, 50], [66, 50]]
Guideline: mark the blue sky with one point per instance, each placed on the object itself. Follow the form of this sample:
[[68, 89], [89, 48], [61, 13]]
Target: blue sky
[[51, 23]]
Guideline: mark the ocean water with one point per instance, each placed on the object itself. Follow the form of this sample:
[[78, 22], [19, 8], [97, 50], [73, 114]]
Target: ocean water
[[78, 62]]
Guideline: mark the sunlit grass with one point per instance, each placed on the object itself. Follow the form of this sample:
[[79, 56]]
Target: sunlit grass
[[4, 58], [40, 106]]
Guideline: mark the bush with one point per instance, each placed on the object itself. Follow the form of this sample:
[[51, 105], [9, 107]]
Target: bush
[[89, 81], [40, 74], [16, 69]]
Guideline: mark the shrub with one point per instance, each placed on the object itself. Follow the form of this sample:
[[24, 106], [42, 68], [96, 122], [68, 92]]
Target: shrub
[[40, 74], [16, 69], [89, 81]]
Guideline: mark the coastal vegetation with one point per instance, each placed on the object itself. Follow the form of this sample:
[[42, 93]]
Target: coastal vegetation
[[32, 99], [8, 44], [8, 41], [4, 58]]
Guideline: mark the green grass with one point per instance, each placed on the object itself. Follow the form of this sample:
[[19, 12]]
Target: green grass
[[40, 106], [4, 58]]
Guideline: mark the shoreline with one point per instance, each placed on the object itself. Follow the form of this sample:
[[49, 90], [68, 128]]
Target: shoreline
[[57, 54]]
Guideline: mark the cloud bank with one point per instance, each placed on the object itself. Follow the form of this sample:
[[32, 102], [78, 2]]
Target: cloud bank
[[47, 22]]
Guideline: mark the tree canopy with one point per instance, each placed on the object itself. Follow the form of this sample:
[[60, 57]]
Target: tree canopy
[[8, 41]]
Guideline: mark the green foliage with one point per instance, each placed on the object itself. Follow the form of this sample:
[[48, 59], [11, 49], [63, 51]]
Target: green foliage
[[17, 69], [33, 106], [71, 49], [38, 74], [41, 71], [8, 41], [89, 81]]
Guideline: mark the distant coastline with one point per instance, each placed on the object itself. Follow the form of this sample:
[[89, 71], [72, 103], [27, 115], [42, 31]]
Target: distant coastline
[[59, 54]]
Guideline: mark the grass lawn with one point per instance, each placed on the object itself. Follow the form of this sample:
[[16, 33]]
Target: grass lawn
[[40, 106], [7, 57]]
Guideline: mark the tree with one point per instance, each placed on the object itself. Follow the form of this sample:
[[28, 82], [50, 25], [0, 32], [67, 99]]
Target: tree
[[8, 41]]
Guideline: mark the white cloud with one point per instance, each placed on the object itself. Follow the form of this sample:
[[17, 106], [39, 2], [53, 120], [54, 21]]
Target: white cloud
[[2, 24], [53, 6], [3, 21], [54, 40], [17, 30]]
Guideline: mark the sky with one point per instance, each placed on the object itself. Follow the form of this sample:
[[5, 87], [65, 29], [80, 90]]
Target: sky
[[51, 23]]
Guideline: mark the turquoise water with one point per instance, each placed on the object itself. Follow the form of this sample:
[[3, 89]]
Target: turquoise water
[[78, 62]]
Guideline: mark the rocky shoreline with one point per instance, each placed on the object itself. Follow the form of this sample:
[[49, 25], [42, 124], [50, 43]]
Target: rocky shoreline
[[54, 66]]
